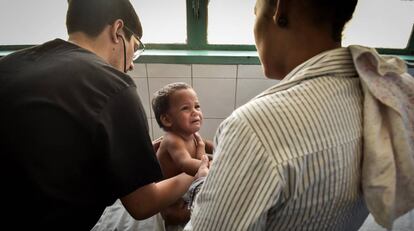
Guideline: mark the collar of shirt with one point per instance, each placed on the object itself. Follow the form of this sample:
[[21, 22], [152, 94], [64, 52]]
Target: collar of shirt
[[337, 62]]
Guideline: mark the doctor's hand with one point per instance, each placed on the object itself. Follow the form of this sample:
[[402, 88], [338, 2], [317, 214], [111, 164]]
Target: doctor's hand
[[156, 143]]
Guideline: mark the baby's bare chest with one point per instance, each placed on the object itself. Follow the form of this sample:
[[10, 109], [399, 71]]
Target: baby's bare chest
[[191, 148]]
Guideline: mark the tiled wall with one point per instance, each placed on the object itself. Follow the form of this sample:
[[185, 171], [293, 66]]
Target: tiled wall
[[220, 88]]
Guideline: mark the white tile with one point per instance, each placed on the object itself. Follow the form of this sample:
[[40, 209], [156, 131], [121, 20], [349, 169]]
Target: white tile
[[209, 128], [142, 89], [156, 130], [169, 70], [156, 83], [150, 129], [214, 71], [217, 96], [251, 72], [140, 71], [249, 88]]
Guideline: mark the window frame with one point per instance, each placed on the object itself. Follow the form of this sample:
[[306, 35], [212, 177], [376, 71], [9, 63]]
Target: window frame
[[198, 51], [237, 54]]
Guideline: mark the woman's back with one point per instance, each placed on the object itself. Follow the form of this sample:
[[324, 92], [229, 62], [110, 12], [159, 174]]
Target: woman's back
[[299, 152]]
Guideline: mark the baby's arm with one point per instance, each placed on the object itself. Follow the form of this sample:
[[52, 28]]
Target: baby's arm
[[181, 157]]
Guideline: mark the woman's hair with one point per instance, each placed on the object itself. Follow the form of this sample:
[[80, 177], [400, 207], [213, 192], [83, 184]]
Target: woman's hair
[[335, 12], [161, 100], [91, 16]]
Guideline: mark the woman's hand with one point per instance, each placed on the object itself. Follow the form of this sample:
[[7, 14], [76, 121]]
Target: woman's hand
[[204, 167]]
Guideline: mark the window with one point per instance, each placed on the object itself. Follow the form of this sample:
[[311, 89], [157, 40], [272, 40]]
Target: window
[[26, 22], [387, 25], [166, 24], [230, 22], [205, 25]]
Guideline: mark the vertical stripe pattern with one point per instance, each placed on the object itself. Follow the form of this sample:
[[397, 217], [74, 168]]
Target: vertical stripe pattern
[[290, 159]]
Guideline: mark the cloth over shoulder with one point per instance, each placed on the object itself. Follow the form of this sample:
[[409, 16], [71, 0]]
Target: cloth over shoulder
[[388, 161]]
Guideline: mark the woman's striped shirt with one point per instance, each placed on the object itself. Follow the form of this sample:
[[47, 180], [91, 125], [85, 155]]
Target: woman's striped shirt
[[290, 158]]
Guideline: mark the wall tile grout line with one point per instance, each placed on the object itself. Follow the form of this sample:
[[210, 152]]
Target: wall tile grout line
[[149, 102], [235, 89]]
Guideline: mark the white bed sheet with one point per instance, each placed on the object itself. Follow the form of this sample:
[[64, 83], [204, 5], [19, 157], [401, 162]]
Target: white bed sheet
[[115, 217]]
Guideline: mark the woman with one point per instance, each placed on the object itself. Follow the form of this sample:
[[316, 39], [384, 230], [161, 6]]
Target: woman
[[290, 159]]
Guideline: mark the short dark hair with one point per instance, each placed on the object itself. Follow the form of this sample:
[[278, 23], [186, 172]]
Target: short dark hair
[[335, 12], [91, 16], [161, 100]]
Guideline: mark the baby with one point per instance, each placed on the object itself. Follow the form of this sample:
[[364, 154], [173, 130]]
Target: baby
[[178, 113]]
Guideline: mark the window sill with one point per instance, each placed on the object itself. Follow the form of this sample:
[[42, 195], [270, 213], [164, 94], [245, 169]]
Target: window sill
[[4, 53], [192, 57], [218, 57], [199, 57], [206, 57]]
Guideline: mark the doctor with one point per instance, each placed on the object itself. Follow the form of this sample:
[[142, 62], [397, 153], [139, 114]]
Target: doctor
[[74, 134]]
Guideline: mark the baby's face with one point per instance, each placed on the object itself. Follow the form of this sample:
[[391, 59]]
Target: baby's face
[[185, 112]]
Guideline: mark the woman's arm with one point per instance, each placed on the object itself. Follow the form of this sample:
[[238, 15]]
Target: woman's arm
[[176, 214]]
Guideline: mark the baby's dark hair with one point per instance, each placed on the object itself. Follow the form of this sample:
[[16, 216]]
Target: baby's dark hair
[[161, 101]]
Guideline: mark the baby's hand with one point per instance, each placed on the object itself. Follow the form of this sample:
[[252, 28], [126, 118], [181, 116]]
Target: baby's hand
[[200, 146]]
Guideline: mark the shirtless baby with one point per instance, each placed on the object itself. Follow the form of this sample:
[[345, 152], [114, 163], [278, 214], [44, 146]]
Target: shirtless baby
[[177, 111]]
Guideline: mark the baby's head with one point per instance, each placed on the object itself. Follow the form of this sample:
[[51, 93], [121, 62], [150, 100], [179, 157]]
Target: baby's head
[[177, 109]]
